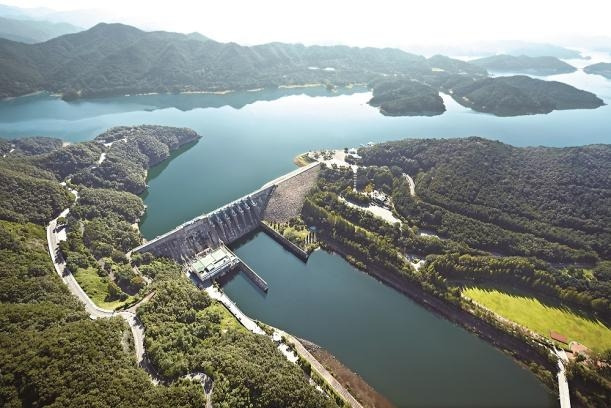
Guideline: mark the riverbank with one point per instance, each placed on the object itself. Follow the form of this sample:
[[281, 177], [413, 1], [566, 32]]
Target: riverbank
[[353, 382], [524, 353], [293, 355]]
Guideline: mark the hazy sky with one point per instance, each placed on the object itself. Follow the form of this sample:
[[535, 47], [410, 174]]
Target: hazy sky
[[376, 23]]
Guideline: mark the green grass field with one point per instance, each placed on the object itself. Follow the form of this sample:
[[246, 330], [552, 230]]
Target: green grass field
[[96, 287], [540, 318], [227, 320]]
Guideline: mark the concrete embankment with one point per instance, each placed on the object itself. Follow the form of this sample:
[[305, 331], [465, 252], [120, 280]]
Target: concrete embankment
[[254, 277], [288, 245], [321, 371]]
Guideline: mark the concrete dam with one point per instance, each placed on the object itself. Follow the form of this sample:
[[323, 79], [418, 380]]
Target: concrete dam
[[202, 236]]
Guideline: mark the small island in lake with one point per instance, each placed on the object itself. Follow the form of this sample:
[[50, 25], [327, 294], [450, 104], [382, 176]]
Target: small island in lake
[[403, 97], [602, 68], [521, 95]]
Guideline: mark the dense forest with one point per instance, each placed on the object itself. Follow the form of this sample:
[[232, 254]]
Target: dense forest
[[28, 193], [52, 353], [29, 145], [554, 198], [132, 150]]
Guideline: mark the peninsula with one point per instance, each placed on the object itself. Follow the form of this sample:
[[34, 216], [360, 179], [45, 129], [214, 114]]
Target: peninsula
[[193, 348]]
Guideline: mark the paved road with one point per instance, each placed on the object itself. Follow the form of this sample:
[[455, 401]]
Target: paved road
[[251, 325], [563, 385], [412, 185], [246, 321], [54, 237], [322, 371]]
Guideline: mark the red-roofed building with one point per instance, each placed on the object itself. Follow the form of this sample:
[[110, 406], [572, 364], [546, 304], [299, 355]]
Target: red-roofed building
[[558, 337]]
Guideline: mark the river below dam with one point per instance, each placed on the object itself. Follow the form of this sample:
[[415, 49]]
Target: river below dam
[[408, 353]]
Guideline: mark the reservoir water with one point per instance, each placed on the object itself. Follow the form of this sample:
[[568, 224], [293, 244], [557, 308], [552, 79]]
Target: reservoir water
[[406, 352]]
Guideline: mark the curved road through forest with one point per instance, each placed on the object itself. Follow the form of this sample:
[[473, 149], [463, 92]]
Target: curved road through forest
[[54, 237]]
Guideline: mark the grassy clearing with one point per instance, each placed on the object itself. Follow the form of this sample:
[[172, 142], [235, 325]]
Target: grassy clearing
[[303, 160], [540, 318], [227, 320], [96, 287]]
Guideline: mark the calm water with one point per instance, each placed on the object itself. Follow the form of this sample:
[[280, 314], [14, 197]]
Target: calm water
[[406, 352]]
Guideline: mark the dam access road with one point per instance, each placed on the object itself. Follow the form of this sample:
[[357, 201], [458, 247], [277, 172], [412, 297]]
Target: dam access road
[[57, 234]]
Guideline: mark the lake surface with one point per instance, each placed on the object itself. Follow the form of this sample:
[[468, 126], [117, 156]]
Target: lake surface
[[409, 354]]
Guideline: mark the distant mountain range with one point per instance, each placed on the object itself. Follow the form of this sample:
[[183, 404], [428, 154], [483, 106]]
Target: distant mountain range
[[524, 65], [490, 48], [32, 31], [112, 59], [116, 59]]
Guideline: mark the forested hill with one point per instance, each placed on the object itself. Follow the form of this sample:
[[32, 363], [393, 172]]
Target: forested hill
[[31, 168], [53, 354], [119, 59], [520, 95], [507, 194], [602, 68], [524, 64]]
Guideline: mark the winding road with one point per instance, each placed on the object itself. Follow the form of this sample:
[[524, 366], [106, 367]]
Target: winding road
[[54, 237], [412, 185]]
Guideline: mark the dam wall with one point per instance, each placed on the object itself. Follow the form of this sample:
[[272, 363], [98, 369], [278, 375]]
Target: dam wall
[[234, 220], [221, 226]]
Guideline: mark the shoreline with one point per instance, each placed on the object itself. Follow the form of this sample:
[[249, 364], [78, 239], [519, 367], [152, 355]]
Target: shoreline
[[361, 389], [520, 351], [204, 92]]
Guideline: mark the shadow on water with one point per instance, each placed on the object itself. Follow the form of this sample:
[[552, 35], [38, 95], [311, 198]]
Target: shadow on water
[[230, 276], [245, 239], [155, 171]]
